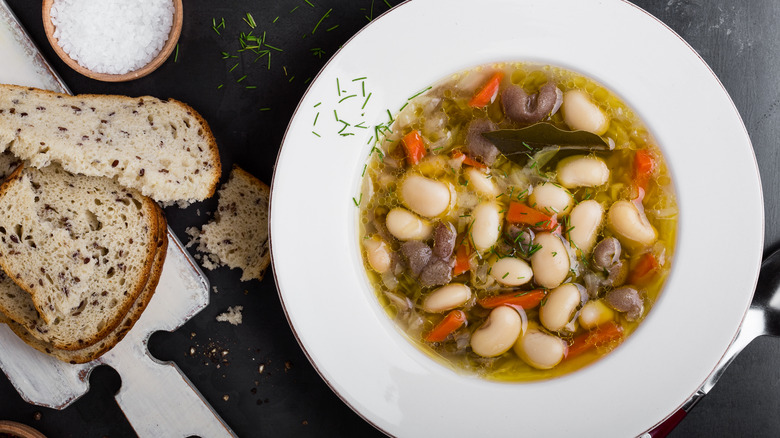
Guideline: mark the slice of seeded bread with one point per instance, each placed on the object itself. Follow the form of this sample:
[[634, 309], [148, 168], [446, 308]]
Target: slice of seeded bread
[[238, 234], [164, 149], [81, 246], [18, 298]]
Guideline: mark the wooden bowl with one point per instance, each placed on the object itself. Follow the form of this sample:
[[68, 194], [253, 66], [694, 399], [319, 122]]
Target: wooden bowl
[[170, 44], [20, 430]]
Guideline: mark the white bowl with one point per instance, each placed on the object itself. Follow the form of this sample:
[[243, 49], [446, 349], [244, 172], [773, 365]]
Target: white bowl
[[333, 311]]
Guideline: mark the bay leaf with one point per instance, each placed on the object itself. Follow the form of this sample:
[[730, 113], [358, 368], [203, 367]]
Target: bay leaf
[[540, 135]]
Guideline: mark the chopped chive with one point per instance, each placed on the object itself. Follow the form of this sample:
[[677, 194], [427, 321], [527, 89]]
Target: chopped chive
[[293, 9], [317, 104], [309, 3], [250, 20], [277, 17], [371, 12], [338, 87], [359, 79], [366, 101], [241, 78], [220, 86], [272, 47], [307, 80], [347, 97], [505, 275], [251, 87], [291, 78], [234, 67], [419, 93], [404, 106], [337, 115], [388, 4], [390, 116], [315, 119], [365, 166], [363, 87], [316, 134], [176, 56], [331, 28], [265, 109], [319, 22]]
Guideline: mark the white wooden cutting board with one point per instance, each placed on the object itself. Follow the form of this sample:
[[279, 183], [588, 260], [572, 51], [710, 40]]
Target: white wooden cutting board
[[156, 397]]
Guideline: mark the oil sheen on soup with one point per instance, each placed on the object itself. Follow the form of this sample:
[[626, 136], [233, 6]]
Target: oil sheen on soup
[[518, 221]]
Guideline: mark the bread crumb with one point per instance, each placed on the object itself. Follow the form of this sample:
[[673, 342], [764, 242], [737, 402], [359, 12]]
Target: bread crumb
[[182, 203], [233, 315]]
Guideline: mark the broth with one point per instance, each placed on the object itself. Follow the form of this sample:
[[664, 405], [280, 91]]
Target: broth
[[533, 226]]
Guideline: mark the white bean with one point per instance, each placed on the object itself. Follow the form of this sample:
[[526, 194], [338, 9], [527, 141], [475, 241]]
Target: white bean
[[378, 254], [584, 223], [550, 263], [405, 225], [540, 350], [594, 313], [560, 306], [582, 171], [582, 114], [497, 335], [551, 199], [630, 225], [424, 196], [481, 182], [485, 225], [446, 298], [511, 271]]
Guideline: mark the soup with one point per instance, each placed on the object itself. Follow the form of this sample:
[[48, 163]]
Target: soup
[[517, 222]]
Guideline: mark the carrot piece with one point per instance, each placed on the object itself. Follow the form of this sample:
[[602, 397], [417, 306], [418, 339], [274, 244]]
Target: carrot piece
[[520, 213], [462, 256], [446, 326], [644, 269], [525, 299], [414, 147], [601, 335], [644, 166], [468, 160], [488, 92]]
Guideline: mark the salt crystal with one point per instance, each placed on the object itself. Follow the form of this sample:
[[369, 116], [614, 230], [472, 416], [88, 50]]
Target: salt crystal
[[112, 36]]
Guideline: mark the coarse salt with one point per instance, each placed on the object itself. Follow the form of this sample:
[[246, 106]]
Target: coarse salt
[[112, 36]]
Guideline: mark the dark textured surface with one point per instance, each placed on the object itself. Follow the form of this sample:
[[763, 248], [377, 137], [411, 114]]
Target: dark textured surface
[[739, 40]]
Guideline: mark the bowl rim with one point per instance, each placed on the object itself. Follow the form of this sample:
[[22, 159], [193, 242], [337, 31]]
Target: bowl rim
[[156, 62], [738, 129], [19, 429]]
